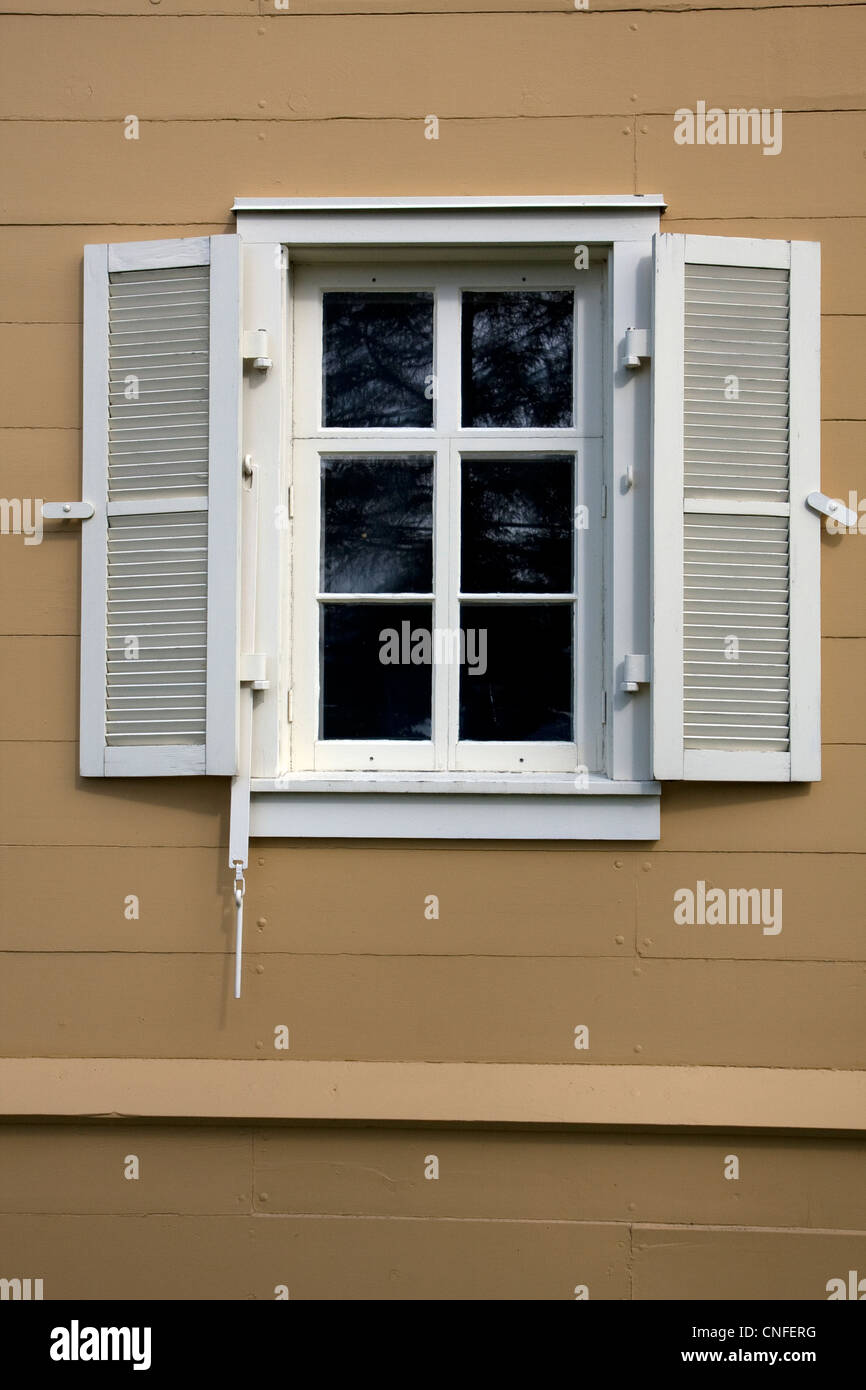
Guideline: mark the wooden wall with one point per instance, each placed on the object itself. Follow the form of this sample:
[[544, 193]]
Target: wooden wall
[[235, 97]]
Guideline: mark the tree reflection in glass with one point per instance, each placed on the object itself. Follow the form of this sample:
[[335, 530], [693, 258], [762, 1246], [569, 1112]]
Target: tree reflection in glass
[[517, 359], [516, 525], [377, 524], [377, 360]]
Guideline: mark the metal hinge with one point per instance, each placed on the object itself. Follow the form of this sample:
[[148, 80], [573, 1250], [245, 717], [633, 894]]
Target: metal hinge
[[604, 707], [603, 501], [291, 502], [636, 346], [635, 672], [253, 668], [290, 705], [257, 349]]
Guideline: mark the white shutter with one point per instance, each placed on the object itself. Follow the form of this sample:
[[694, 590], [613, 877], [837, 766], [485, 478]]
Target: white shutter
[[736, 552], [162, 468]]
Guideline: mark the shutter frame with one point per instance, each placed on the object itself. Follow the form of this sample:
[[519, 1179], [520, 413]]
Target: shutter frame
[[672, 759], [217, 754]]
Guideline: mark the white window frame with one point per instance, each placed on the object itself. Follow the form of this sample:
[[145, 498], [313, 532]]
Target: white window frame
[[619, 802], [448, 443]]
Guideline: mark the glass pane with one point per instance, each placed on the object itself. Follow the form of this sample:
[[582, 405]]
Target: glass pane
[[377, 524], [377, 356], [516, 525], [516, 680], [375, 680], [517, 363]]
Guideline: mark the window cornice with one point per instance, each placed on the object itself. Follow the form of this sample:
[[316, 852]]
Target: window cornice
[[452, 220]]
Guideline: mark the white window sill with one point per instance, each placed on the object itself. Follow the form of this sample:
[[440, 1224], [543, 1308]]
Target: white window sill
[[460, 806]]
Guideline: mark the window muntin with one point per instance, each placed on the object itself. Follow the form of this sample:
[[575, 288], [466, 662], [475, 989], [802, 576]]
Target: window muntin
[[515, 563]]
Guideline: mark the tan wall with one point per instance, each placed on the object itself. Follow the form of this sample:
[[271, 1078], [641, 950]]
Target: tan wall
[[235, 98]]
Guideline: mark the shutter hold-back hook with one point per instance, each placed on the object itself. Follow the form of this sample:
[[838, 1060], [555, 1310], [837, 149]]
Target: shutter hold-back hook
[[240, 889]]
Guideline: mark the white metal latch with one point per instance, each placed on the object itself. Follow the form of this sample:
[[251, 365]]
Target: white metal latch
[[832, 507], [636, 346], [635, 672], [67, 511], [257, 349]]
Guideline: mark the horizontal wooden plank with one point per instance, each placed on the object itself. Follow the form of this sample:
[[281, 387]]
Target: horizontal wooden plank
[[49, 398], [843, 675], [843, 471], [225, 1257], [841, 384], [368, 900], [353, 900], [41, 267], [492, 1175], [43, 461], [561, 63], [484, 1009], [42, 568], [701, 1264], [829, 815], [578, 1176], [44, 801], [267, 9], [192, 171], [125, 7], [83, 1168], [805, 883], [723, 181], [622, 1097], [49, 667]]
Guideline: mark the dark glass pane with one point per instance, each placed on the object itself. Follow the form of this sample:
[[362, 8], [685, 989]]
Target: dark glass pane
[[371, 686], [517, 364], [377, 360], [377, 525], [517, 520], [516, 682]]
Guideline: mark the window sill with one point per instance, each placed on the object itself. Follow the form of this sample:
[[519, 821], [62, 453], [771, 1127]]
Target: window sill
[[460, 806]]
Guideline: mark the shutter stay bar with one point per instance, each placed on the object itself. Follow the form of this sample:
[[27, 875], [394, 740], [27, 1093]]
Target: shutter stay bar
[[67, 511], [252, 671]]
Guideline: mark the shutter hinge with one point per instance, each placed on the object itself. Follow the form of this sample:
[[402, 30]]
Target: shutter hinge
[[253, 668], [257, 349], [636, 346], [604, 707], [635, 672], [291, 502], [289, 704], [603, 501]]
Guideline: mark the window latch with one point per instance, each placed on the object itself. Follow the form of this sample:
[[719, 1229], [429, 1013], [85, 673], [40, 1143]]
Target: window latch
[[635, 672], [832, 507], [67, 511], [257, 349], [636, 346]]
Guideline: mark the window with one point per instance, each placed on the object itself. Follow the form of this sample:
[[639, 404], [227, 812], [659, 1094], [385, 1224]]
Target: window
[[446, 447], [452, 517]]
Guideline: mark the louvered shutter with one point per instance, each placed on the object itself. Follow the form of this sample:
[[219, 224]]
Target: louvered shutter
[[736, 552], [162, 468]]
